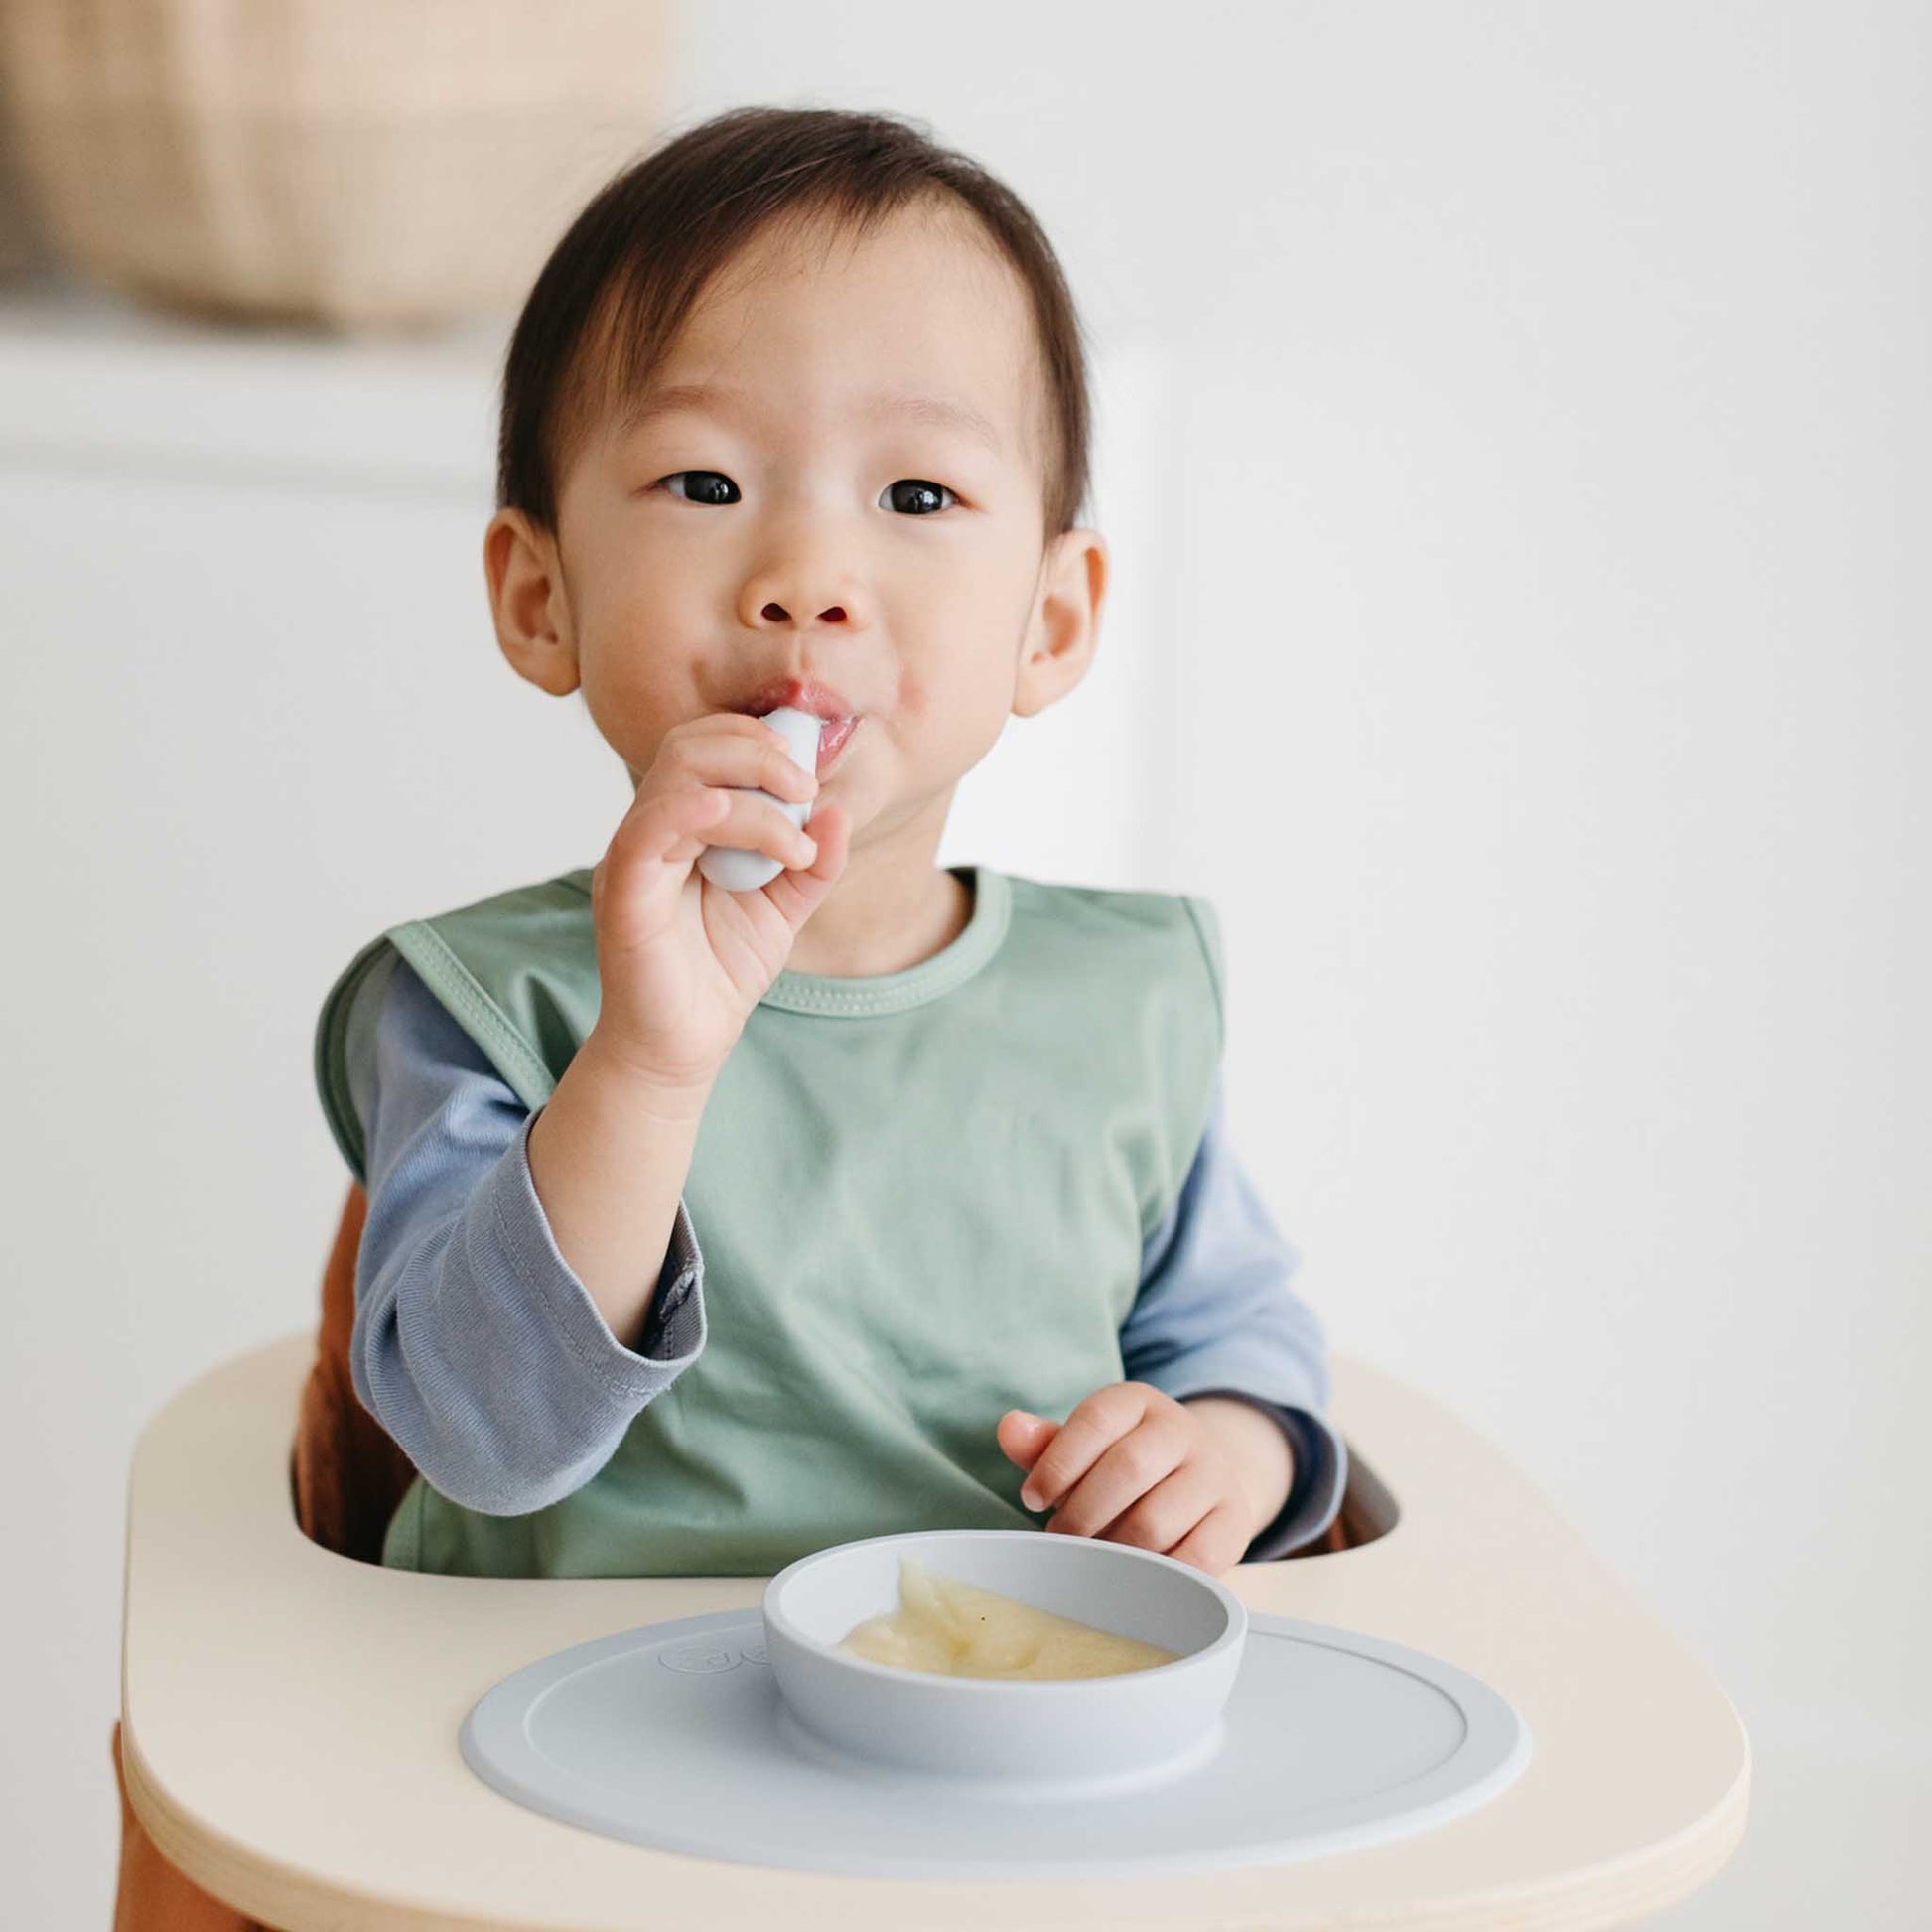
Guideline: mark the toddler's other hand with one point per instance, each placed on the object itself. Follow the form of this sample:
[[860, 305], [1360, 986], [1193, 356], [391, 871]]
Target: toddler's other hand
[[682, 962], [1131, 1464]]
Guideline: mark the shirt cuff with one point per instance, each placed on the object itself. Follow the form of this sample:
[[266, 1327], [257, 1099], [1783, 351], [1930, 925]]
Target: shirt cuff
[[674, 1326], [1313, 1499]]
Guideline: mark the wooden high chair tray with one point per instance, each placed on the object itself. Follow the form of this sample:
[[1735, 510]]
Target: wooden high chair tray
[[290, 1717]]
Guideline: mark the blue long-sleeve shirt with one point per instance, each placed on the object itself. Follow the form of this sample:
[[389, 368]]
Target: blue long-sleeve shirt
[[483, 1354]]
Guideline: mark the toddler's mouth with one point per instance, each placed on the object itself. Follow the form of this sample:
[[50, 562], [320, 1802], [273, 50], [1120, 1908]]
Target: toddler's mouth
[[801, 694], [832, 741]]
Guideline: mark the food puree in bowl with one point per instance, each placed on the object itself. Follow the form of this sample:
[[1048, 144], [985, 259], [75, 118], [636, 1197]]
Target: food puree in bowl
[[961, 1630]]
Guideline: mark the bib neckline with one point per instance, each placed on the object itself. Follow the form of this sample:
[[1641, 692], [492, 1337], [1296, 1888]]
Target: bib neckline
[[861, 996], [858, 996]]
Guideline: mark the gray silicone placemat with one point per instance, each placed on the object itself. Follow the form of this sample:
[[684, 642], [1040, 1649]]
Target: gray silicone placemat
[[671, 1736]]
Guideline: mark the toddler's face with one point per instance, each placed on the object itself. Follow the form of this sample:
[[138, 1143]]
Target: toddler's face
[[789, 523]]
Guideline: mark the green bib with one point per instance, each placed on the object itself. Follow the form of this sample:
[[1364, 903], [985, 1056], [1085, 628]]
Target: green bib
[[921, 1199]]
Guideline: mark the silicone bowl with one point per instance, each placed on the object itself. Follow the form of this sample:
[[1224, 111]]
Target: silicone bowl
[[1096, 1732]]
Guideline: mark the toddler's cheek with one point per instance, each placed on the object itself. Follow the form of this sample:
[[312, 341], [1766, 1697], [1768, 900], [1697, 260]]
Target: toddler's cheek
[[911, 696]]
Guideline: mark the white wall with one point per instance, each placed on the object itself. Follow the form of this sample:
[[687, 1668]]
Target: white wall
[[1517, 481]]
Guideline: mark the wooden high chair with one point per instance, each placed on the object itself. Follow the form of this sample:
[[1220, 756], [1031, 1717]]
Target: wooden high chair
[[347, 1477], [272, 1782]]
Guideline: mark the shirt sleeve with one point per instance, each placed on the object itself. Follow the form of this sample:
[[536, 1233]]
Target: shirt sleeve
[[1215, 1316], [475, 1343]]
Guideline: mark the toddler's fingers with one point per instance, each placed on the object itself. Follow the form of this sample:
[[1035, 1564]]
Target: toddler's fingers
[[797, 892], [755, 823], [728, 749], [1092, 1429], [1022, 1436], [1143, 1458], [1216, 1543], [1150, 1514], [669, 828]]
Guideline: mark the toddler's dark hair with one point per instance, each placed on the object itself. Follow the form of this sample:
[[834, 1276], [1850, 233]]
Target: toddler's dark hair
[[608, 304]]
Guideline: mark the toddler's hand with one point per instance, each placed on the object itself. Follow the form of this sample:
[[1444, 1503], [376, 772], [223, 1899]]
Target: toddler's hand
[[681, 961], [1131, 1464]]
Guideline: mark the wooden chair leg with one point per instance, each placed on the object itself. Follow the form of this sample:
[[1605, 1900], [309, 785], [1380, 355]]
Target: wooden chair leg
[[154, 1895]]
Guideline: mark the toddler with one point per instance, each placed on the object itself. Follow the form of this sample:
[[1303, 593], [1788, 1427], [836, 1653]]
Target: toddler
[[710, 1228]]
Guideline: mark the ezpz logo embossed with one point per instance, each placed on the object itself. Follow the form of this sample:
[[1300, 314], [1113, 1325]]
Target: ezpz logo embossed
[[705, 1660], [700, 1660]]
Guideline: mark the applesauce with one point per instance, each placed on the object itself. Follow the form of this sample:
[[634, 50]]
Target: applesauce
[[957, 1629]]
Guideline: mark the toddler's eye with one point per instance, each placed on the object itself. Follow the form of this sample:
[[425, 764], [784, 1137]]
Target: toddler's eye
[[917, 490], [711, 479], [911, 495]]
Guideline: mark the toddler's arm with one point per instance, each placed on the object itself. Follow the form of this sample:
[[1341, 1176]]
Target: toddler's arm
[[1215, 1316], [507, 1262], [475, 1344]]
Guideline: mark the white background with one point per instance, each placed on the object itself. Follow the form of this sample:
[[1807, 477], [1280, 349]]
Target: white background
[[1514, 433]]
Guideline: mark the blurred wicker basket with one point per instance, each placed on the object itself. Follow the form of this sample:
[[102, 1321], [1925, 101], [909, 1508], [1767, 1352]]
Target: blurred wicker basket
[[354, 162]]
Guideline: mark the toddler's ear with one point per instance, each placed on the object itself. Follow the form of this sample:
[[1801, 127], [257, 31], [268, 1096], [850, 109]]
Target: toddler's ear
[[527, 602], [1065, 624]]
